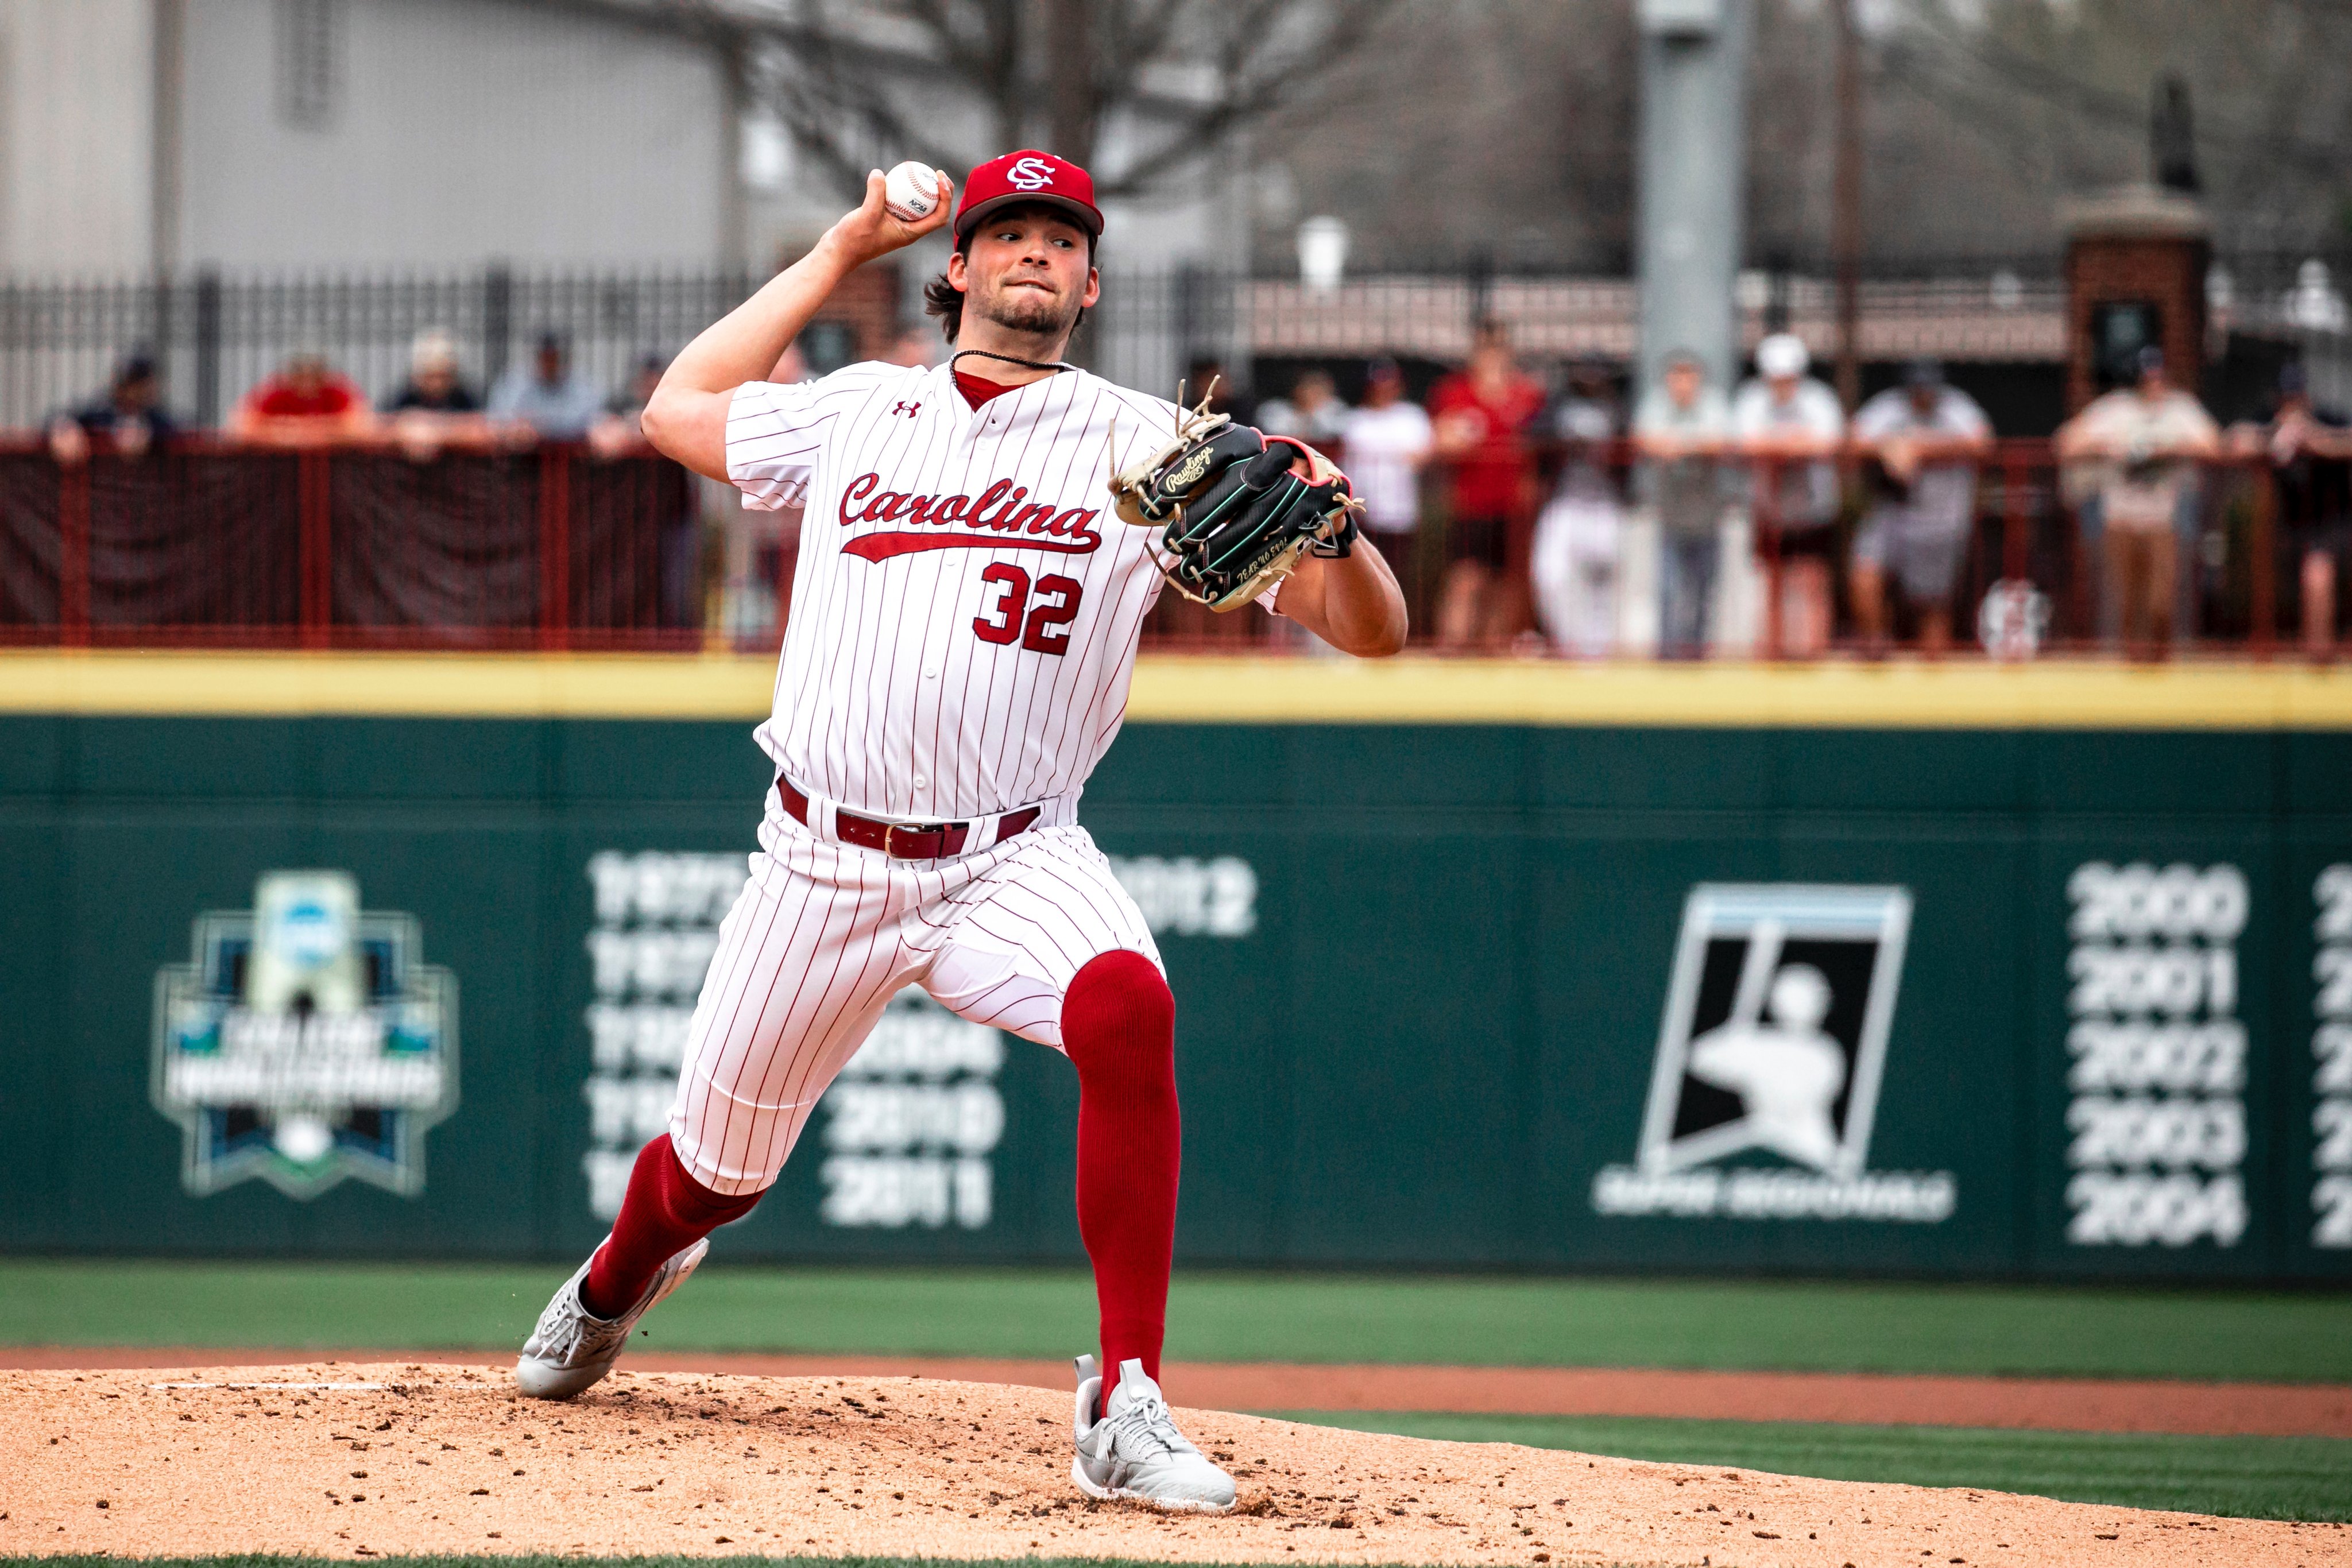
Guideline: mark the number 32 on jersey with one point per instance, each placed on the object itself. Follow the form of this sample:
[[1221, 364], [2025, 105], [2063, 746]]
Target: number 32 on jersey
[[1036, 615]]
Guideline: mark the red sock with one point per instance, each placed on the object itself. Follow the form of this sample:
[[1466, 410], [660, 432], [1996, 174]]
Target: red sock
[[1119, 1026], [666, 1212]]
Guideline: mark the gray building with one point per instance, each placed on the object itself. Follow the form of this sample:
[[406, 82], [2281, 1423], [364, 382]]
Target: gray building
[[316, 135], [501, 167]]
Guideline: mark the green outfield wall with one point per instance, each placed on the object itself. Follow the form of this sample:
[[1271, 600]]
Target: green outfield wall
[[2059, 1002]]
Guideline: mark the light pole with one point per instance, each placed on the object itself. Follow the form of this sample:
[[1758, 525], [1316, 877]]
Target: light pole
[[1693, 180]]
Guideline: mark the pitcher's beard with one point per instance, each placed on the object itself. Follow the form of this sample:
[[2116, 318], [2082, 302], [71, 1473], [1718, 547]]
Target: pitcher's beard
[[1028, 312]]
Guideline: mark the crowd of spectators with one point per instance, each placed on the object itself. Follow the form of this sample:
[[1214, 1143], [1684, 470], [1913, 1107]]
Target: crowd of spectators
[[305, 402], [1666, 532], [1500, 501]]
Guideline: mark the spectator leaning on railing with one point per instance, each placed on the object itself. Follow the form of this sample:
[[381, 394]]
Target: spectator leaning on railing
[[1926, 437], [434, 385], [618, 433], [304, 405], [1386, 439], [2147, 439], [130, 419], [546, 396], [1313, 412], [1574, 558], [1788, 422], [1479, 415], [435, 407], [615, 430], [2310, 453], [1680, 432]]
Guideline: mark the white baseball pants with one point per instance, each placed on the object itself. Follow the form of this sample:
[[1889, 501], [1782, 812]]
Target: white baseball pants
[[824, 935]]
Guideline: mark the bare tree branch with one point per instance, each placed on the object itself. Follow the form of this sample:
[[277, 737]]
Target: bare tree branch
[[847, 100]]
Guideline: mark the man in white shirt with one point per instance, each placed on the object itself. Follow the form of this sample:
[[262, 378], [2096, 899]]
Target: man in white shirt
[[1576, 541], [2147, 438], [1789, 426], [1385, 442], [1928, 437]]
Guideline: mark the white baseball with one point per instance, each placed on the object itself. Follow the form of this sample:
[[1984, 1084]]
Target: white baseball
[[910, 190]]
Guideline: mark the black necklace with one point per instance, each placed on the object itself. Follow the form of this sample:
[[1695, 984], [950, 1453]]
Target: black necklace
[[1007, 358]]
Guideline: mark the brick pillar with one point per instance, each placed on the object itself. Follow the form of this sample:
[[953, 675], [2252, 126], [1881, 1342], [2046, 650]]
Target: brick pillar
[[869, 301], [2130, 253]]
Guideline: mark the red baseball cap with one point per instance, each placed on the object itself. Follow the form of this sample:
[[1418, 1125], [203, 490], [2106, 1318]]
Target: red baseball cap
[[1029, 175]]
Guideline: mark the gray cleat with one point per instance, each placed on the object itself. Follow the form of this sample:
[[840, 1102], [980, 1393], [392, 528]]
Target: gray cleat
[[1135, 1451], [571, 1349]]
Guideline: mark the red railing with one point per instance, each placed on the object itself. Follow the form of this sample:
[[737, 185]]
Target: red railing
[[2027, 530], [555, 546], [210, 544]]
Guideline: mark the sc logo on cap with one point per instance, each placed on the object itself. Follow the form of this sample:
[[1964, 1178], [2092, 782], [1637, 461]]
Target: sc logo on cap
[[1030, 174]]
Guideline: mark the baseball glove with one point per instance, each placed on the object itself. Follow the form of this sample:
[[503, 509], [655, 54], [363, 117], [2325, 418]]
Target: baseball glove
[[1232, 518]]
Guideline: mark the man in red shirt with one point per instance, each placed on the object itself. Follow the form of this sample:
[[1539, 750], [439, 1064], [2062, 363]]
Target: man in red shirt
[[1479, 415], [305, 403]]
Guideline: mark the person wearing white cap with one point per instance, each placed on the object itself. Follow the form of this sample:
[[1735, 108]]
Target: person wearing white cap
[[1788, 422], [434, 384]]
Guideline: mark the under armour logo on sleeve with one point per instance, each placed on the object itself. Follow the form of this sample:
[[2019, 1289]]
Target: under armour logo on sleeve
[[908, 409]]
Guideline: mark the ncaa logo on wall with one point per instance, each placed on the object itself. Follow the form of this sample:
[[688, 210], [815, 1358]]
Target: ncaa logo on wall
[[1769, 1060], [305, 1043]]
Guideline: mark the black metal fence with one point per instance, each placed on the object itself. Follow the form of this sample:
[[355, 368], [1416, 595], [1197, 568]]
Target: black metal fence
[[215, 335]]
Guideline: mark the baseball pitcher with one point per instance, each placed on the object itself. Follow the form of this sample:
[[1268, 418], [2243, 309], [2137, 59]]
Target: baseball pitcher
[[982, 542]]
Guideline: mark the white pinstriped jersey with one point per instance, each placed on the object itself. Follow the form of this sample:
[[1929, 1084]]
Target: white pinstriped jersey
[[964, 618]]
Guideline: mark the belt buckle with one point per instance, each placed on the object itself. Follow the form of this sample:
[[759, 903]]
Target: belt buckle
[[937, 830]]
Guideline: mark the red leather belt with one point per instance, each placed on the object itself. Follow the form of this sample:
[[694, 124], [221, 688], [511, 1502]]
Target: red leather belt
[[902, 840]]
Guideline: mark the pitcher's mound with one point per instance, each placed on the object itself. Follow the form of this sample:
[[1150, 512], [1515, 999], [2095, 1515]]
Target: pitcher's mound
[[343, 1461]]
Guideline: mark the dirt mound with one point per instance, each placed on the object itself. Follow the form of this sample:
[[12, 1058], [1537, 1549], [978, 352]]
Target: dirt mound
[[344, 1461], [2044, 1404]]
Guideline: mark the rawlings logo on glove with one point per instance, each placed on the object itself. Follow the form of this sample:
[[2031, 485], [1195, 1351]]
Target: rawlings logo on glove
[[1233, 518]]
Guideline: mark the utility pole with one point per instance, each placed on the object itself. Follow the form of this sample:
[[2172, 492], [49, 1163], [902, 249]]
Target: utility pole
[[1693, 180], [1845, 219]]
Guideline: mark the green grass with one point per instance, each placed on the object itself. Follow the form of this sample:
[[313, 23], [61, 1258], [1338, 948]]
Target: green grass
[[2253, 1477], [1786, 1325]]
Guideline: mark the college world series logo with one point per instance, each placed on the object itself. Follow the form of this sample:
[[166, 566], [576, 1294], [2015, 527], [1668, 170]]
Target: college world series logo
[[305, 1043], [1769, 1060]]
